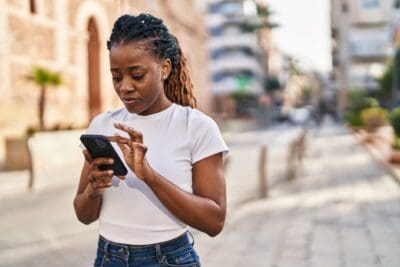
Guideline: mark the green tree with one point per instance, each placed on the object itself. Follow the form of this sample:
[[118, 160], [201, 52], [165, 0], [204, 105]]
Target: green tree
[[386, 80], [44, 78], [262, 20]]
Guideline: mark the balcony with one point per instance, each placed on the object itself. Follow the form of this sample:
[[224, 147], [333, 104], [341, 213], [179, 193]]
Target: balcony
[[236, 63], [367, 44], [242, 40]]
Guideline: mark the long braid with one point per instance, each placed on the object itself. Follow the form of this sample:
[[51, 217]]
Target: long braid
[[178, 87]]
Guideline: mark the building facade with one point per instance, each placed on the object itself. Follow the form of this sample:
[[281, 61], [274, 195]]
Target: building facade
[[235, 55], [362, 34], [69, 36]]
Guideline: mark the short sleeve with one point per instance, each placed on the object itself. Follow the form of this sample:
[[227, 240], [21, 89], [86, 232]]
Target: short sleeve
[[205, 138], [92, 128]]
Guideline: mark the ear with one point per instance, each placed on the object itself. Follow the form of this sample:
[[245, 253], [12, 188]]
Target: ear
[[166, 67]]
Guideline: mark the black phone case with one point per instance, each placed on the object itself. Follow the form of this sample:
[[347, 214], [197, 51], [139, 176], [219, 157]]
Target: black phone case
[[99, 146]]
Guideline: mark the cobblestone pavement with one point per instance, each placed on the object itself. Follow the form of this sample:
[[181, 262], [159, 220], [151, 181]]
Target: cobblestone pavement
[[342, 210]]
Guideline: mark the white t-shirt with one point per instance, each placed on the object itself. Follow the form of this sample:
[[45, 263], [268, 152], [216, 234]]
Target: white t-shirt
[[176, 138]]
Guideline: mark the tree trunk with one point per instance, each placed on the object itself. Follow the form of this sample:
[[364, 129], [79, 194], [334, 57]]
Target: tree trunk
[[42, 100]]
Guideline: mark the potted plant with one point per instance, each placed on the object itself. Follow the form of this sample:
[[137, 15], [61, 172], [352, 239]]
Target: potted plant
[[358, 102], [373, 118], [17, 150]]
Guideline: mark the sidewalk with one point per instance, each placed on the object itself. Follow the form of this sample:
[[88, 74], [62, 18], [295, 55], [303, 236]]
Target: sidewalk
[[342, 211], [41, 226]]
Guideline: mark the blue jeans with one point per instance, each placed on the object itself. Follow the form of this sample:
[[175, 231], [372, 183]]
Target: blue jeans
[[175, 252]]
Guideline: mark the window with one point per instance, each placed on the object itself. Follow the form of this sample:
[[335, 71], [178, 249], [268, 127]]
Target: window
[[32, 6], [370, 4]]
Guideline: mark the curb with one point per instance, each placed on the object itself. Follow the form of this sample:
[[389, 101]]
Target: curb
[[377, 156]]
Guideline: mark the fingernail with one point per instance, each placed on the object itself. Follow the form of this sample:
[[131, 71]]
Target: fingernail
[[110, 172], [111, 161]]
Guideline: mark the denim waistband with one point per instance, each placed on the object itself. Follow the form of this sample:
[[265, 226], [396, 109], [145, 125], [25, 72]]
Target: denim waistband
[[139, 250]]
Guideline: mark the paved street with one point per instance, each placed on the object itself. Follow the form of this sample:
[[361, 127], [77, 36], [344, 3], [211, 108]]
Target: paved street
[[342, 210]]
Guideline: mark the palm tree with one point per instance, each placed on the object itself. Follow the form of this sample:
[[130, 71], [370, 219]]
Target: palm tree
[[44, 78]]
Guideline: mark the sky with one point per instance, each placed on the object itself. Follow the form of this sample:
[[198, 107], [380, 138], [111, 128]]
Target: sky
[[304, 31]]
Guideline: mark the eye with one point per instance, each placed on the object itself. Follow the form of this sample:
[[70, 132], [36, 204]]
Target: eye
[[138, 77], [116, 79]]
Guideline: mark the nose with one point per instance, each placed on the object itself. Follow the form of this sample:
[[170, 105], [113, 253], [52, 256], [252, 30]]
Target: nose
[[126, 85]]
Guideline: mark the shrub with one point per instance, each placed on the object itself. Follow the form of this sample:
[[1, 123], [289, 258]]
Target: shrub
[[358, 101], [396, 144], [395, 121], [374, 118], [354, 119]]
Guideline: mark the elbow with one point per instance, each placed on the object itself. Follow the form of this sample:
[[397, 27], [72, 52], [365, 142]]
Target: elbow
[[83, 219], [216, 228]]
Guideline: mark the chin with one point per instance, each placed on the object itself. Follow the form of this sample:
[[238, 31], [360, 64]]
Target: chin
[[135, 109]]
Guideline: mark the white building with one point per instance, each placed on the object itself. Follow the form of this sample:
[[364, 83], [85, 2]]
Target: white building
[[361, 40], [233, 52], [362, 34]]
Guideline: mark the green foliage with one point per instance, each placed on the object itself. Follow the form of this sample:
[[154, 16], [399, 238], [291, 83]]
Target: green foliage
[[272, 84], [243, 82], [374, 117], [386, 80], [396, 143], [395, 121], [354, 119], [42, 77], [358, 101], [262, 22]]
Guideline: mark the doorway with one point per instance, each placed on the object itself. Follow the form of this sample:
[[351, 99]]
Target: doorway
[[94, 69]]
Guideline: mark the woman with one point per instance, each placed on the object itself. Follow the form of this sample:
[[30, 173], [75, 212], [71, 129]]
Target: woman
[[174, 154]]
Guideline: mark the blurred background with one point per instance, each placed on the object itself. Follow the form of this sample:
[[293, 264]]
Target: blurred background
[[306, 94]]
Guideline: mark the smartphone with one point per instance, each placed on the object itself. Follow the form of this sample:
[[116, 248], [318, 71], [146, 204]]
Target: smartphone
[[100, 147]]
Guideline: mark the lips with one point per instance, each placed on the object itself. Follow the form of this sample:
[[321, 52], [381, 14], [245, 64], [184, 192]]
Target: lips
[[130, 100]]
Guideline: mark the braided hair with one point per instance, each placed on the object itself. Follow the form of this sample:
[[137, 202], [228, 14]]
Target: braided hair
[[178, 87]]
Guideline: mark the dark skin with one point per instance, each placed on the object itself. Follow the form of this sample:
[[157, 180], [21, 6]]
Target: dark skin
[[138, 79]]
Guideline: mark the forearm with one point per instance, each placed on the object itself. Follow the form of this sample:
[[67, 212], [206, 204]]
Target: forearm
[[198, 212], [87, 205]]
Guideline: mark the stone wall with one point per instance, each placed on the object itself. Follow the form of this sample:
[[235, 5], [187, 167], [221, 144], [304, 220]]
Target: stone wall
[[56, 37]]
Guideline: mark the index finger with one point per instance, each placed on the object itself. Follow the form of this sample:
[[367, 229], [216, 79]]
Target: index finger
[[135, 135], [118, 139]]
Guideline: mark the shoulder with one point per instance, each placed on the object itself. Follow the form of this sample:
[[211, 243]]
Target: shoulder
[[106, 117], [195, 117]]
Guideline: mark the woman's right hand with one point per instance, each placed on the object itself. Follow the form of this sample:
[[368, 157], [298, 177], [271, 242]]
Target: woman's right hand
[[99, 180]]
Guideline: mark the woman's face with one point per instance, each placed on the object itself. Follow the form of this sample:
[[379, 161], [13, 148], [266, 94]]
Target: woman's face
[[138, 77]]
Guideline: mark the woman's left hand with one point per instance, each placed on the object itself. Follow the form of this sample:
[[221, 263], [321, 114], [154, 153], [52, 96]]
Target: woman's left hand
[[134, 151]]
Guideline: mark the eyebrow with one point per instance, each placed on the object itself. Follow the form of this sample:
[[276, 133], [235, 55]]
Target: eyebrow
[[134, 67]]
